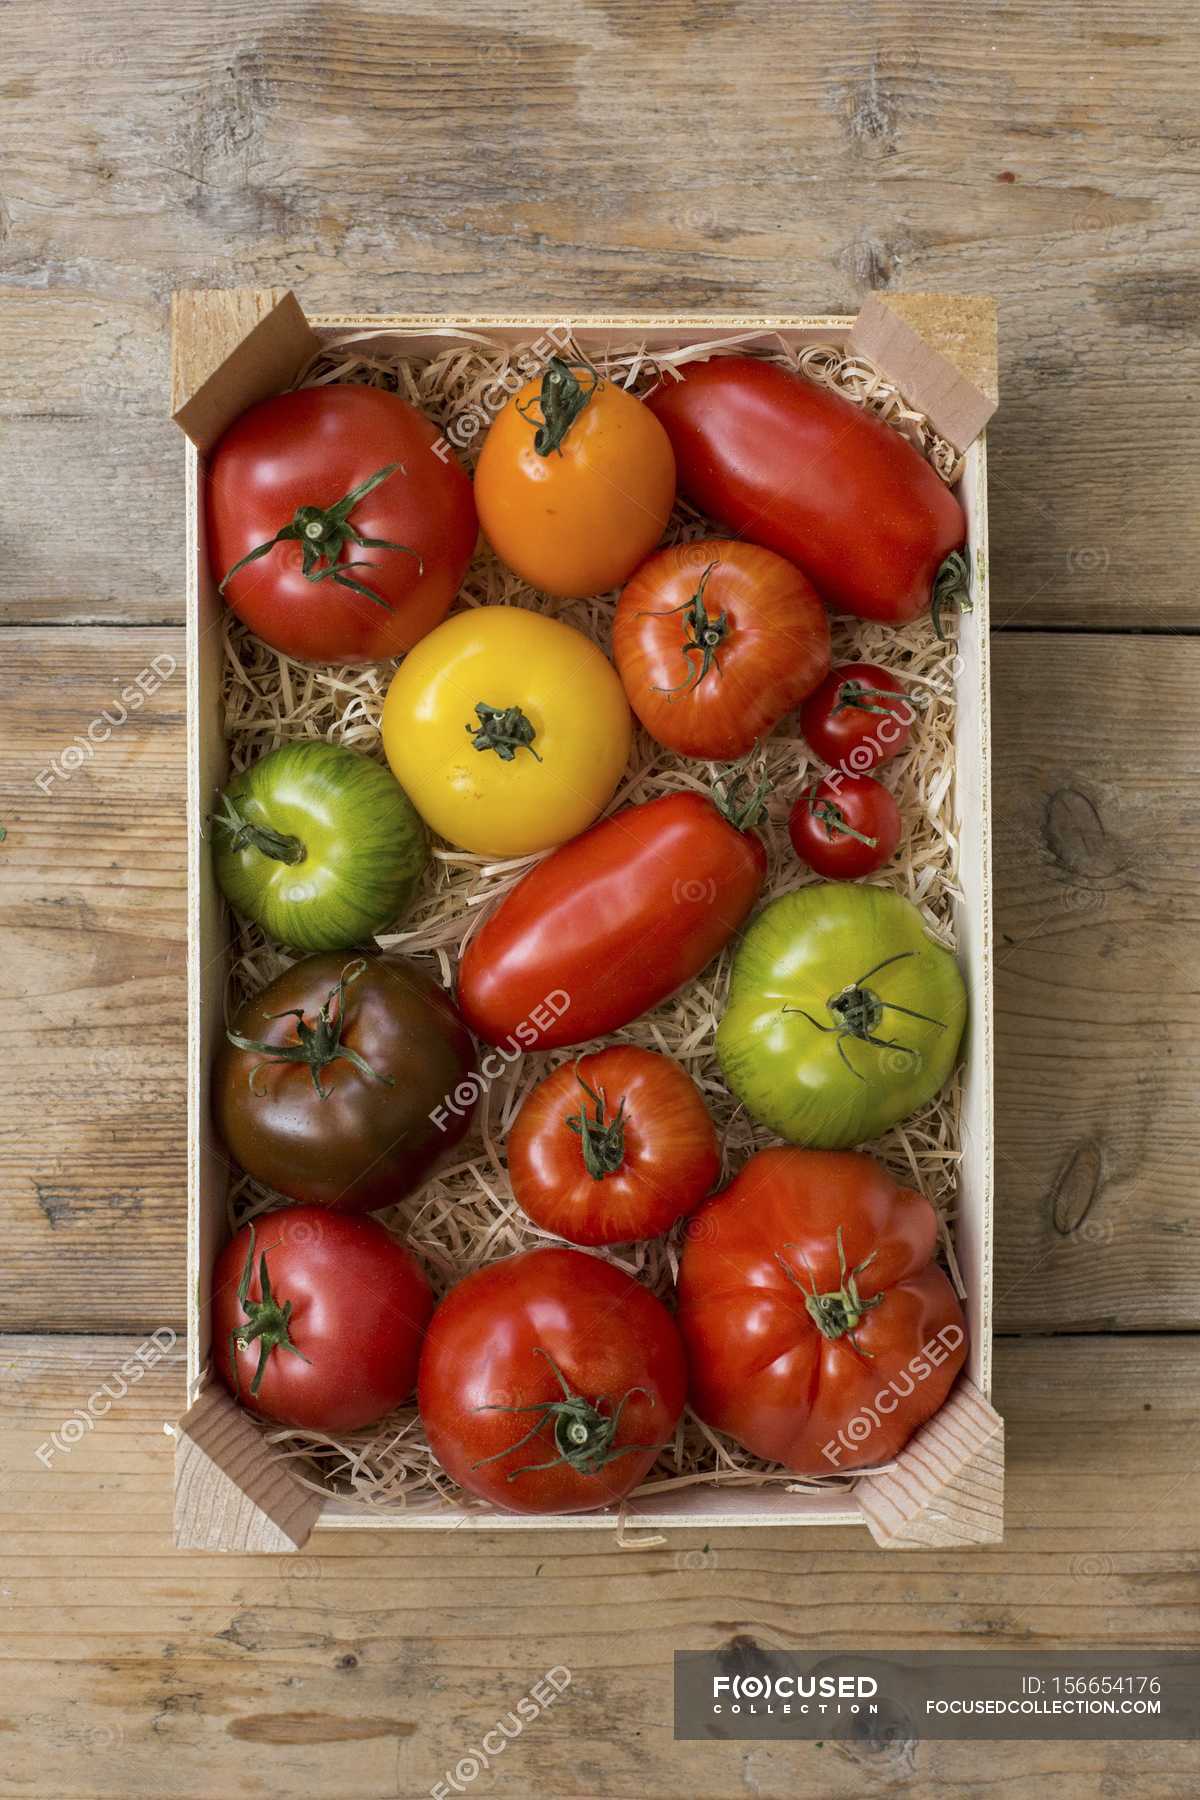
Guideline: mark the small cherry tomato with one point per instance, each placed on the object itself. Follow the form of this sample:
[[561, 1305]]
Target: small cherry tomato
[[613, 1147], [845, 826], [859, 717]]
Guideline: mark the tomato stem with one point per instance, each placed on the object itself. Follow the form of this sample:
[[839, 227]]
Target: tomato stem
[[837, 1313], [855, 694], [707, 633], [504, 729], [602, 1141], [834, 819], [952, 587], [858, 1012], [583, 1435], [323, 533], [317, 1045], [266, 1320], [561, 400], [242, 833], [727, 797]]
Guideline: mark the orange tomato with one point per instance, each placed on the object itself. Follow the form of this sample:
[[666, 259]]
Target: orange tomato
[[575, 482]]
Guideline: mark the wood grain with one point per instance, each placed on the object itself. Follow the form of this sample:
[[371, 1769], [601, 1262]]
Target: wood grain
[[487, 155], [370, 1665]]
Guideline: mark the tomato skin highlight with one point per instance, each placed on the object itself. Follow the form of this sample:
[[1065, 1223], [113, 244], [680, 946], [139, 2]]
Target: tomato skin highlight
[[857, 739], [364, 846], [366, 1145], [360, 1305], [494, 1343], [610, 924], [312, 448], [760, 1366], [818, 821], [797, 468], [668, 1150], [578, 520], [772, 645]]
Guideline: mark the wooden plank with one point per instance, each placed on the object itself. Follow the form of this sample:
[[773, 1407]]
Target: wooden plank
[[212, 151], [370, 1664], [92, 1138], [1097, 953]]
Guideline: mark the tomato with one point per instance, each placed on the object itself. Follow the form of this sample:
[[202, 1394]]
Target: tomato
[[549, 1382], [318, 1319], [318, 845], [819, 1331], [845, 826], [612, 923], [336, 531], [613, 1147], [510, 730], [844, 1015], [859, 717], [777, 459], [575, 482], [331, 1085], [715, 641]]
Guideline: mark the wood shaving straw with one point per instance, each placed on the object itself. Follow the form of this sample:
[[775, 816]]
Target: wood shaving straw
[[466, 1215]]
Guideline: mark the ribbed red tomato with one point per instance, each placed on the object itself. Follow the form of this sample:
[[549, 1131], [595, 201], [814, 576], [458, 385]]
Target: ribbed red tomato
[[550, 1381], [819, 1331], [352, 532], [797, 467], [613, 1147], [715, 641], [607, 926], [318, 1319]]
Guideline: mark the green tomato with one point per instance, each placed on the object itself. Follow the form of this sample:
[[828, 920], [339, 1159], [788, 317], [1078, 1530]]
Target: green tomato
[[319, 845], [844, 1015]]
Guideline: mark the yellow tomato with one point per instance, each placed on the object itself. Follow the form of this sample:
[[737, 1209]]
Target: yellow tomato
[[507, 730], [575, 482]]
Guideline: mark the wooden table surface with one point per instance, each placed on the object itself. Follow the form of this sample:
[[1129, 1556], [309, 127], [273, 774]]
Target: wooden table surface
[[715, 156]]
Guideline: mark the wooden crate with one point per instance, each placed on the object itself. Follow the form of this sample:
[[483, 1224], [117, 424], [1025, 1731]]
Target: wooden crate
[[233, 348]]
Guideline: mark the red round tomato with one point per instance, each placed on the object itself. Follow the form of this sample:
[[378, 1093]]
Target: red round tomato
[[715, 641], [610, 924], [549, 1382], [613, 1147], [819, 1331], [318, 1319], [786, 463], [859, 717], [845, 826], [336, 530]]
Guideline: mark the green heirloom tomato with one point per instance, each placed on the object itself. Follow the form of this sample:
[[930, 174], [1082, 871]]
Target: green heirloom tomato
[[844, 1015], [319, 845]]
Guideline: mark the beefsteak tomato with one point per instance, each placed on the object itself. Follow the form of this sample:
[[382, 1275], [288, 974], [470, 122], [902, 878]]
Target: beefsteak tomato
[[331, 1085], [549, 1382], [794, 466], [510, 730], [715, 641], [610, 924], [337, 532], [844, 1016], [575, 482], [819, 1331], [318, 1319], [613, 1147]]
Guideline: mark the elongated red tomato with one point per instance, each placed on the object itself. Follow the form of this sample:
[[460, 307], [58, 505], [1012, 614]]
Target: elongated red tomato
[[335, 528], [825, 483], [715, 641], [819, 1331], [611, 923], [613, 1147], [550, 1381]]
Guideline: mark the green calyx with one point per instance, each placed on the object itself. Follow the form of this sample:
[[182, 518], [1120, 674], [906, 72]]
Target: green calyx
[[584, 1436], [559, 403], [952, 587], [836, 1313], [243, 835], [834, 819], [317, 1045], [504, 729], [857, 1012], [266, 1323], [739, 802], [704, 633], [324, 532], [601, 1140]]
